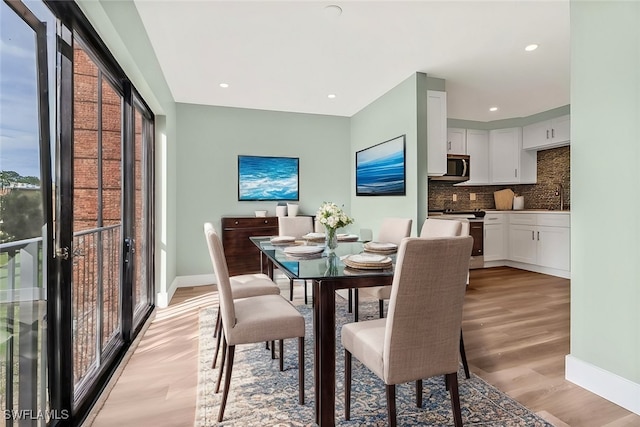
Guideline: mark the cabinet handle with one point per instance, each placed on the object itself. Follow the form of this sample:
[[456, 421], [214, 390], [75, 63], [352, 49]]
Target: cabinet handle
[[491, 219], [547, 133], [532, 235], [236, 222], [538, 235], [553, 132], [449, 146], [266, 221], [515, 172]]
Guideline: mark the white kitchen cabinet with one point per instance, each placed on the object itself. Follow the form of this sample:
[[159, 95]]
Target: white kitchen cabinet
[[540, 239], [478, 150], [508, 162], [436, 133], [495, 236], [547, 134], [522, 243], [456, 141]]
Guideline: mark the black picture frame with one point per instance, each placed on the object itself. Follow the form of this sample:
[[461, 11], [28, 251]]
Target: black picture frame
[[268, 178], [381, 169]]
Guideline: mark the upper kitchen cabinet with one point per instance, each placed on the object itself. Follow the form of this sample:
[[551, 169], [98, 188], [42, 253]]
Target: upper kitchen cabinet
[[509, 163], [436, 133], [547, 134], [478, 150], [456, 141]]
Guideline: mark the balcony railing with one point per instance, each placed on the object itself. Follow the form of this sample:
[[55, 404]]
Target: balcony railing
[[23, 333], [96, 301]]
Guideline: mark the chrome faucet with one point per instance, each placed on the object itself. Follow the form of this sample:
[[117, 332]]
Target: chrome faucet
[[560, 192]]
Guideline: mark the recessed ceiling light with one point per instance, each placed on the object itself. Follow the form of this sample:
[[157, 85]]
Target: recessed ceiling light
[[531, 47], [225, 85], [331, 95], [493, 109]]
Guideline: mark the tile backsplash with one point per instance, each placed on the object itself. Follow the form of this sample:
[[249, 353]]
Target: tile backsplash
[[553, 168]]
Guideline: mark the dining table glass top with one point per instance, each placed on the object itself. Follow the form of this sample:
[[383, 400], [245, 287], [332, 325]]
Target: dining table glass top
[[321, 265]]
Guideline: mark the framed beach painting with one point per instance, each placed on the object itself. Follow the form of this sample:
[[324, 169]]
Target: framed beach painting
[[268, 178], [381, 169]]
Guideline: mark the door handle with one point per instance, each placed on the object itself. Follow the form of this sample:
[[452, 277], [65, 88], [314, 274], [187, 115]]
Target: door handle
[[62, 253]]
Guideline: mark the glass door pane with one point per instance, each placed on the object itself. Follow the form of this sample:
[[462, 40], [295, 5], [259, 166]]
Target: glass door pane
[[25, 208], [97, 218]]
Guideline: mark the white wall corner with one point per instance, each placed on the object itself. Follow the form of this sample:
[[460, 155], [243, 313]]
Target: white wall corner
[[605, 384]]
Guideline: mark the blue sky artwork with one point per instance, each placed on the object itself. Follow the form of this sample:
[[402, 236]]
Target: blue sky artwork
[[380, 170], [267, 178]]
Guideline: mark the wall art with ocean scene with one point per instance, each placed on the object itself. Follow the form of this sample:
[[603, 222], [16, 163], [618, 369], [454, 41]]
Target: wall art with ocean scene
[[380, 169], [268, 178]]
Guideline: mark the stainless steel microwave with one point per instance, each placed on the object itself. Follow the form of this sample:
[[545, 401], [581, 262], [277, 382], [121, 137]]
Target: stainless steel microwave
[[457, 169]]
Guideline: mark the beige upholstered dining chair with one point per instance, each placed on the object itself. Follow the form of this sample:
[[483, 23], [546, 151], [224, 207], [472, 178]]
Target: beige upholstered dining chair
[[419, 337], [295, 226], [253, 319], [243, 286], [392, 230]]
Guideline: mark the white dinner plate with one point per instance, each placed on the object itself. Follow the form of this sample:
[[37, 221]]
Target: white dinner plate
[[282, 239], [303, 250], [369, 259], [380, 246], [313, 236], [347, 237]]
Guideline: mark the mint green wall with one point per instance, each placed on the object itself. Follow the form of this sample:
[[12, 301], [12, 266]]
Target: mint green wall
[[119, 26], [605, 149], [210, 139], [391, 115]]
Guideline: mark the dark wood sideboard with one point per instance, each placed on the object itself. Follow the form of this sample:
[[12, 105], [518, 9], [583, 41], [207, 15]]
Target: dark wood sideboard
[[241, 254]]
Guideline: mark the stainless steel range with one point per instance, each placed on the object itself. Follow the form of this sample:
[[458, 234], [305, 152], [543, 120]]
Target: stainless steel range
[[476, 230]]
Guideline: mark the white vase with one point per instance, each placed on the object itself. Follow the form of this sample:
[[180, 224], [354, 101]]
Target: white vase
[[292, 209], [281, 211]]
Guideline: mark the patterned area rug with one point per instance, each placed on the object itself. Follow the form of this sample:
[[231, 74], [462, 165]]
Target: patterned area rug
[[261, 395]]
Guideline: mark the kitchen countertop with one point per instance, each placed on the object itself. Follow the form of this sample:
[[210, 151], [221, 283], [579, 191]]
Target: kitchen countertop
[[550, 211]]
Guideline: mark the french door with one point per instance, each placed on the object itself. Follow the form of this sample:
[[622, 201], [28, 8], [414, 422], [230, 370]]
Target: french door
[[104, 210]]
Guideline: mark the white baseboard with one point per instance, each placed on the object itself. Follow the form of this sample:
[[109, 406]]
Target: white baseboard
[[529, 267], [608, 385], [163, 298]]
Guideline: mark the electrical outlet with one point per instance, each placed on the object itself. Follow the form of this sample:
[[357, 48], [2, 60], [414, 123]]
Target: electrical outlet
[[472, 196], [454, 198]]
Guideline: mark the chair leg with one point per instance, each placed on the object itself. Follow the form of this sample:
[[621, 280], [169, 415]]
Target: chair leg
[[290, 289], [305, 293], [347, 385], [452, 381], [281, 344], [224, 355], [217, 328], [227, 382], [215, 355], [301, 370], [391, 404], [355, 304], [463, 355], [419, 393], [273, 349], [381, 308], [350, 301]]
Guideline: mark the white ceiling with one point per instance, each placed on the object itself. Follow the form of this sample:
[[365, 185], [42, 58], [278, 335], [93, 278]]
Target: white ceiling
[[289, 55]]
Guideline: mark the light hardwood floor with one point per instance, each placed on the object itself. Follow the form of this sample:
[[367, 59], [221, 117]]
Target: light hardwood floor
[[516, 331]]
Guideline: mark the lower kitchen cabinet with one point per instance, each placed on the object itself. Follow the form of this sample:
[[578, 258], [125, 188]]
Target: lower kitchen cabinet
[[540, 239], [495, 237]]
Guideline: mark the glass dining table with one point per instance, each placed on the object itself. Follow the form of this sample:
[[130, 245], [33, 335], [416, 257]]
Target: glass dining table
[[328, 274]]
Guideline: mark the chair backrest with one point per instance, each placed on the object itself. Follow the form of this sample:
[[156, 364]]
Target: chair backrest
[[393, 230], [216, 251], [425, 310], [433, 227], [295, 226]]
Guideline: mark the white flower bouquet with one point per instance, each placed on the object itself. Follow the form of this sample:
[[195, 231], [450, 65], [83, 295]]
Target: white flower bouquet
[[332, 216]]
